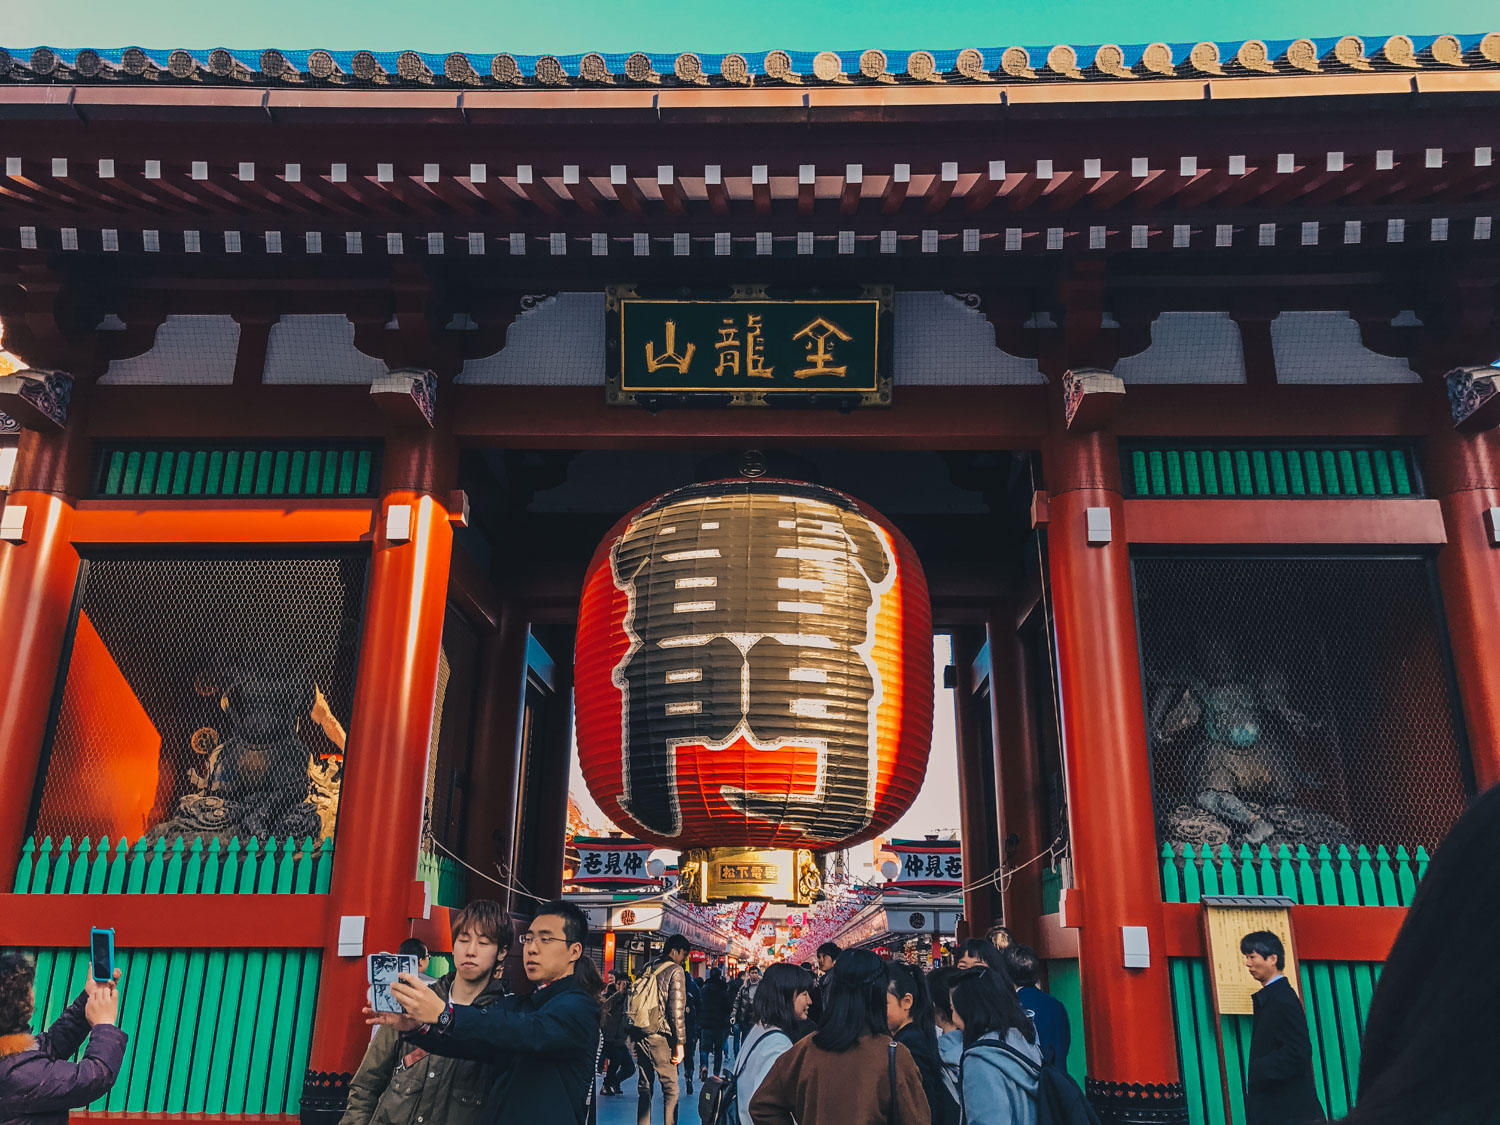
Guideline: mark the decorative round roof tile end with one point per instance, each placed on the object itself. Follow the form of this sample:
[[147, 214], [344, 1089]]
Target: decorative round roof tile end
[[688, 68], [1447, 50], [638, 68], [6, 62], [922, 66], [87, 64], [1110, 59], [222, 64], [1204, 58], [273, 64], [1350, 51], [1016, 62], [1398, 51], [1254, 55], [180, 64], [872, 64], [44, 62], [550, 72], [504, 68], [1063, 60], [136, 62], [735, 69], [593, 68], [970, 64], [411, 68], [364, 66], [778, 66], [828, 67], [458, 69], [320, 65], [1303, 55], [1489, 47], [1157, 58]]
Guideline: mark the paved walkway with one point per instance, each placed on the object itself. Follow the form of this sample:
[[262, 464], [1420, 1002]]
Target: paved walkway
[[621, 1110]]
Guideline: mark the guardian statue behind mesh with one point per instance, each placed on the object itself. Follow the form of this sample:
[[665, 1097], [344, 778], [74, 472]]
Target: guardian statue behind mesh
[[739, 634]]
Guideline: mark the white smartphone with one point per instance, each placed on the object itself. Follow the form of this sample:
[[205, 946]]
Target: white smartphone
[[382, 970]]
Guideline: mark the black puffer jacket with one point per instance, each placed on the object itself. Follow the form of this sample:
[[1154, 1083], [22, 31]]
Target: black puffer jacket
[[39, 1083]]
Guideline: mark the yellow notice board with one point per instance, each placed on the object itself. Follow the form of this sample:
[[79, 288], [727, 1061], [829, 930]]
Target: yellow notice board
[[1224, 926]]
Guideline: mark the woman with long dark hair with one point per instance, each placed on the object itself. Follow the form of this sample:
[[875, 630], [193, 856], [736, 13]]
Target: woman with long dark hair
[[1431, 1039], [1001, 1060], [909, 1013], [850, 1072], [950, 1037], [781, 1004]]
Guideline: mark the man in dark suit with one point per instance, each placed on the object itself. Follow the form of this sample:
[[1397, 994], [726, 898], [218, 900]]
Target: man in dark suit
[[1280, 1089]]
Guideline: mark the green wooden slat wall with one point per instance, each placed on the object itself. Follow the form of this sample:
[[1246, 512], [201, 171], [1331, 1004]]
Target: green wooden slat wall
[[211, 1031], [300, 866], [1065, 984], [1336, 996], [176, 472], [1291, 473]]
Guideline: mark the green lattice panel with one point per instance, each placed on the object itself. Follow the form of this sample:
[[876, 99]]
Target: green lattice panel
[[1277, 472], [184, 473]]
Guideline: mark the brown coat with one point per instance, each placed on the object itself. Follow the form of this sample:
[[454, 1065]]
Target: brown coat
[[815, 1087]]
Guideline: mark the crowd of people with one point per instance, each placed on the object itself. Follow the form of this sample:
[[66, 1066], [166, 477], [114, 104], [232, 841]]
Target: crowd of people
[[854, 1040]]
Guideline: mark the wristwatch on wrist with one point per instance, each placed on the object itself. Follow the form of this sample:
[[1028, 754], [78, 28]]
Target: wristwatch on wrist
[[445, 1020]]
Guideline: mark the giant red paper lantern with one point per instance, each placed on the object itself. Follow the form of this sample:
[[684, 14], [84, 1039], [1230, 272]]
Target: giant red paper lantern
[[754, 667]]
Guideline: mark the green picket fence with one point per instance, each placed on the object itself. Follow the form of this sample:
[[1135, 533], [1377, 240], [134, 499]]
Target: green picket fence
[[1343, 878], [253, 866], [1268, 471], [1336, 996], [450, 886], [212, 1031], [174, 471]]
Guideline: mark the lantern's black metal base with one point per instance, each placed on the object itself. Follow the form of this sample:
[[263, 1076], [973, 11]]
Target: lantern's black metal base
[[1138, 1103], [325, 1096]]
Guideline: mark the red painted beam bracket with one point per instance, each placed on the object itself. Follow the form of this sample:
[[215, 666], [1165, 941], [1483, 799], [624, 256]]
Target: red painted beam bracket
[[166, 921]]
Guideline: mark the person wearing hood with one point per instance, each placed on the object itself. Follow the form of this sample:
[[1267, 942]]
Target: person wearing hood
[[1001, 1060], [400, 1084], [39, 1081]]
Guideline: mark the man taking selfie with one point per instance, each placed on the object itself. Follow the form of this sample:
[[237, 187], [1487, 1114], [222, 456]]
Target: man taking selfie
[[399, 1082], [543, 1047]]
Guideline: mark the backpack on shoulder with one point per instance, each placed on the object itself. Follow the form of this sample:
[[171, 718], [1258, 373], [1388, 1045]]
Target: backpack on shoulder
[[1059, 1101], [644, 1013], [719, 1100]]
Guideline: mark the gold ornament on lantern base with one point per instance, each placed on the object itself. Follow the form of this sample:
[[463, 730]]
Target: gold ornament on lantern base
[[731, 874]]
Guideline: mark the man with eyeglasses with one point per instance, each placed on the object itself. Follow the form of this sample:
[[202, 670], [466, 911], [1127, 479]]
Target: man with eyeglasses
[[543, 1046]]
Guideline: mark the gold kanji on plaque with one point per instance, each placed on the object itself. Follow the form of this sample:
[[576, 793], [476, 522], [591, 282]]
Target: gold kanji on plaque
[[669, 358], [820, 355]]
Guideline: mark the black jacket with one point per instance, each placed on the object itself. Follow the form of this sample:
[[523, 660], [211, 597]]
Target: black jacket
[[544, 1047], [713, 1005], [924, 1052], [1280, 1089]]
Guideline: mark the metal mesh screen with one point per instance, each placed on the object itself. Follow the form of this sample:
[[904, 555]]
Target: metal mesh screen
[[1298, 701], [205, 696]]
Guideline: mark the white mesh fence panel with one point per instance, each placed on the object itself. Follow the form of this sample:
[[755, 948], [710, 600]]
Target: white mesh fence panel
[[560, 343], [1324, 347], [1188, 347], [188, 350], [940, 341], [317, 349]]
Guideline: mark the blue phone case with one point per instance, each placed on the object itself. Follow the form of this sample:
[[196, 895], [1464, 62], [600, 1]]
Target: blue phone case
[[108, 937]]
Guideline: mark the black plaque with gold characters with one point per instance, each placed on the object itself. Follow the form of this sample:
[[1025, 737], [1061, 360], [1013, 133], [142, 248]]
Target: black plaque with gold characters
[[748, 347]]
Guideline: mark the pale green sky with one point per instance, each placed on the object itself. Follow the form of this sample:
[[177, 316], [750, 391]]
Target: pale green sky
[[571, 26]]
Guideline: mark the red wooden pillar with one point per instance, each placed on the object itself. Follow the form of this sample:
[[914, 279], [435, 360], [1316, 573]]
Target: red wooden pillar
[[1017, 777], [380, 811], [38, 576], [1463, 471], [973, 794], [1132, 1053]]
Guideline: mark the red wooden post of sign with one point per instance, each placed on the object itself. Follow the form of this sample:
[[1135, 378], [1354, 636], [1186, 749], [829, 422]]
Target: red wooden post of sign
[[1464, 474], [1109, 785], [38, 574], [380, 813]]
